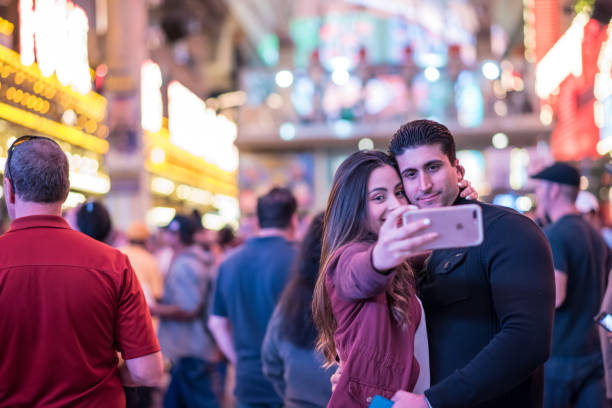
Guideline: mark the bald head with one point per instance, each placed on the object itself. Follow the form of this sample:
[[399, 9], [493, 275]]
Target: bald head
[[39, 171]]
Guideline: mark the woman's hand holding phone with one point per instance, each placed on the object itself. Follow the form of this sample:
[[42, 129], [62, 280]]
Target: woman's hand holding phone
[[398, 241]]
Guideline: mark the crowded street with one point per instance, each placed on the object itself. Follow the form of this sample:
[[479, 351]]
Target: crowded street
[[306, 204]]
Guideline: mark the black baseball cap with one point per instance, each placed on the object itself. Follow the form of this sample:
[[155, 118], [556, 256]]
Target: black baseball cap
[[560, 172], [184, 226]]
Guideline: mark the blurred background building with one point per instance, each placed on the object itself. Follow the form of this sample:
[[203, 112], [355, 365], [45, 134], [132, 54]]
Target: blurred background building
[[168, 106]]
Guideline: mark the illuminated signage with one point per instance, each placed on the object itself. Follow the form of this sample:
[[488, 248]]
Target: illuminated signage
[[41, 103], [151, 104], [188, 119], [182, 167], [199, 130], [54, 34], [563, 59]]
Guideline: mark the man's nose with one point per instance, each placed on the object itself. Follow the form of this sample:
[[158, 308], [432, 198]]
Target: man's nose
[[425, 182]]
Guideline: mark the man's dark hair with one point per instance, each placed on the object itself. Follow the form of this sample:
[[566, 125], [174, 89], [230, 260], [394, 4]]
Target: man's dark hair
[[185, 227], [39, 171], [275, 209], [94, 220], [423, 133], [226, 236]]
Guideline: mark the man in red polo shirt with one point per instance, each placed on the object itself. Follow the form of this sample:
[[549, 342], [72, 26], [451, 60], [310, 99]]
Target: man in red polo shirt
[[68, 303]]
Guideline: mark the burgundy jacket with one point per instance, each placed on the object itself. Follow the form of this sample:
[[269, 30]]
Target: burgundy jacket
[[377, 354]]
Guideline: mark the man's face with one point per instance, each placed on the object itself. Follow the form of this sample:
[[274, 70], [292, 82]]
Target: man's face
[[430, 179], [542, 197]]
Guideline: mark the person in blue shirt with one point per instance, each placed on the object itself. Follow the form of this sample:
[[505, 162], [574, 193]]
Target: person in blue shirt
[[250, 282]]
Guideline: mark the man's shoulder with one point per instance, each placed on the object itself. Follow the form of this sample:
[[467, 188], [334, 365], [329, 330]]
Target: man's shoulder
[[69, 241], [497, 217], [189, 261], [260, 247]]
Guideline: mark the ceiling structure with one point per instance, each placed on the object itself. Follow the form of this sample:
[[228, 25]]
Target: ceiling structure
[[213, 45]]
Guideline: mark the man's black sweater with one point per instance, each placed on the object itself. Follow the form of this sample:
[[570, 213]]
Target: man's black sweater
[[489, 312]]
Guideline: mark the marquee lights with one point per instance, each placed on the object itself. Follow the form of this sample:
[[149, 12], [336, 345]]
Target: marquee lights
[[54, 34], [53, 129]]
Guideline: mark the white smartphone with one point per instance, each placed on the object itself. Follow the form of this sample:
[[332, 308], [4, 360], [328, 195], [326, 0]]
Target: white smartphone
[[457, 225]]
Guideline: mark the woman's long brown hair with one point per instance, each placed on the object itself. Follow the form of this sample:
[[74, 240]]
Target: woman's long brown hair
[[345, 222]]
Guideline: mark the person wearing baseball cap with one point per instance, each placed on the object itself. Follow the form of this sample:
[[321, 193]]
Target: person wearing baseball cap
[[580, 258], [182, 334]]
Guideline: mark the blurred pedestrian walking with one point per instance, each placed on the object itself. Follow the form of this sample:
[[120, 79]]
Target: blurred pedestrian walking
[[574, 374], [250, 282], [182, 330]]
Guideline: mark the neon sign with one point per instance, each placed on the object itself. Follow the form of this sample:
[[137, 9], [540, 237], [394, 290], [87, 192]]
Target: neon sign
[[563, 59], [603, 88], [54, 34]]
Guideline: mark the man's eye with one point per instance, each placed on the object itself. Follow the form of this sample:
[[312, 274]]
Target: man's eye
[[410, 174], [434, 167]]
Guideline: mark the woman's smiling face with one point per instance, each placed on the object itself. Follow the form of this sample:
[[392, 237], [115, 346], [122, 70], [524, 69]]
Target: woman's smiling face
[[385, 193]]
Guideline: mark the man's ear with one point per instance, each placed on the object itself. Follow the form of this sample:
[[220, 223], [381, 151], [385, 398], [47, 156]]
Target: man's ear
[[9, 190], [460, 170], [554, 190]]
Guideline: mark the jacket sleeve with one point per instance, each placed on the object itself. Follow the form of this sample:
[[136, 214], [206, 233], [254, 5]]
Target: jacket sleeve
[[353, 274], [421, 353], [272, 362], [518, 261], [606, 346]]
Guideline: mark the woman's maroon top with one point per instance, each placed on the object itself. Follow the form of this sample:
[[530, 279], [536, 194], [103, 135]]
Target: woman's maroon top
[[377, 354]]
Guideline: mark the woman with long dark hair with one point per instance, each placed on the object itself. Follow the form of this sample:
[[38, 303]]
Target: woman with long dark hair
[[364, 305], [288, 353]]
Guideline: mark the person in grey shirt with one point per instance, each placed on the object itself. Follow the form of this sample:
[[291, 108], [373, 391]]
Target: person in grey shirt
[[182, 335], [289, 358]]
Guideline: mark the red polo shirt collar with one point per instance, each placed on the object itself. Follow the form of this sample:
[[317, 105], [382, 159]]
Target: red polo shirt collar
[[38, 221]]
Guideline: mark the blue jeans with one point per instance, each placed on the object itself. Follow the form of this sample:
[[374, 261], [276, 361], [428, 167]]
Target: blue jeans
[[574, 381], [195, 383]]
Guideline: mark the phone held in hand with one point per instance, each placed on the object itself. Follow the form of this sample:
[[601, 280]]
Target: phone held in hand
[[604, 319], [380, 402], [457, 226]]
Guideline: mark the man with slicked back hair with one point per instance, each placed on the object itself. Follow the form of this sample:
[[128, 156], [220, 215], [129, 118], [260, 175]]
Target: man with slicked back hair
[[489, 309]]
